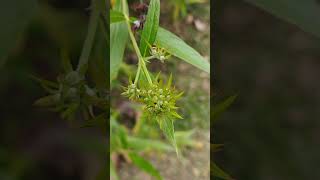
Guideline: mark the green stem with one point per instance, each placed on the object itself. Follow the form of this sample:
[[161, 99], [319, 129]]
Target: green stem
[[142, 64], [137, 75], [88, 43], [138, 125], [145, 70], [150, 57], [136, 48]]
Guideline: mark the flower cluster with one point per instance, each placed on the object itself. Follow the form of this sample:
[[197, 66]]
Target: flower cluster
[[71, 94], [159, 53], [158, 99]]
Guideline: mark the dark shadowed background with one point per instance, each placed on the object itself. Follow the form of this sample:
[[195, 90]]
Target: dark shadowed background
[[36, 143], [271, 132]]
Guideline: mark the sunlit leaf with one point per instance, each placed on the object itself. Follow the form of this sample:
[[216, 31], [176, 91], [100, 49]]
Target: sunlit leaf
[[166, 125], [150, 29], [116, 16], [119, 36], [177, 47]]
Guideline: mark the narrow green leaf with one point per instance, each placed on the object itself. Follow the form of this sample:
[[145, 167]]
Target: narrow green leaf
[[176, 115], [116, 16], [166, 125], [169, 81], [47, 100], [217, 172], [119, 36], [156, 79], [144, 165], [177, 47], [215, 147], [150, 29], [69, 112], [179, 95], [304, 14], [141, 144], [185, 134], [123, 135], [49, 86], [219, 108], [195, 1], [184, 138]]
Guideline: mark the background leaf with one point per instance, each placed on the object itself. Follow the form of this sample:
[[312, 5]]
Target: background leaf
[[144, 165], [184, 139], [150, 28], [116, 16], [140, 144], [119, 36], [177, 47], [221, 107], [304, 14], [217, 172]]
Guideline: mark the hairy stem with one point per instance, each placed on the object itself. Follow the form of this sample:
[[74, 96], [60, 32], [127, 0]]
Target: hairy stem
[[88, 43]]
